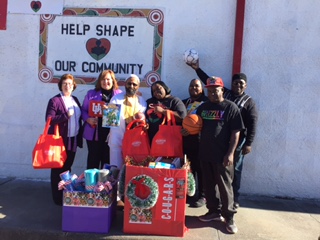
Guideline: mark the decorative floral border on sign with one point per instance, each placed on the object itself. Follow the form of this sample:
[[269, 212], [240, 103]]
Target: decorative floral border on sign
[[155, 17]]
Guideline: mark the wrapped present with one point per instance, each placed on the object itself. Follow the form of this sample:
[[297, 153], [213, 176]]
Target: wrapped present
[[91, 179], [155, 201], [67, 178], [88, 211]]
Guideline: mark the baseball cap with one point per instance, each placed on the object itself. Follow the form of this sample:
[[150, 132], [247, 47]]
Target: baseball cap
[[214, 82]]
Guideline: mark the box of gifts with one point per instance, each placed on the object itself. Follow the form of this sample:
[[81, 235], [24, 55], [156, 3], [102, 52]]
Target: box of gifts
[[88, 212], [155, 201], [89, 201]]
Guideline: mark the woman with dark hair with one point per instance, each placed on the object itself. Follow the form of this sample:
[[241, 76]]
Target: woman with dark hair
[[65, 110], [159, 103], [96, 135]]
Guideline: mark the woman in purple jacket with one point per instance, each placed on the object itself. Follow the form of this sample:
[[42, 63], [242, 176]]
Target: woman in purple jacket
[[96, 135], [65, 110]]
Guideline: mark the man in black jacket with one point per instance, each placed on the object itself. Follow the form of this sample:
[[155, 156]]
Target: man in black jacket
[[249, 116]]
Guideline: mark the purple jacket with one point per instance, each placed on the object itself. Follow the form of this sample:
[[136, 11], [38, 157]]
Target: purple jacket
[[92, 94], [59, 115]]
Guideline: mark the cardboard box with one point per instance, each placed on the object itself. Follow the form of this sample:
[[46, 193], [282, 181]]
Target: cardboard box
[[88, 212], [167, 216]]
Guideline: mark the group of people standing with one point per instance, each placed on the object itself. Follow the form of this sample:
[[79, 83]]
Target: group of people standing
[[216, 154], [103, 143]]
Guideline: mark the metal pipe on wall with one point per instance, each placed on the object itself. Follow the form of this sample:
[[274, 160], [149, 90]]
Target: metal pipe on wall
[[238, 36]]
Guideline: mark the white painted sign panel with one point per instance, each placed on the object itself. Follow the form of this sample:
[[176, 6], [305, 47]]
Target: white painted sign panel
[[85, 42]]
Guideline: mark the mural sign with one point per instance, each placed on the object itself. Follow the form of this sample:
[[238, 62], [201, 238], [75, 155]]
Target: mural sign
[[85, 42]]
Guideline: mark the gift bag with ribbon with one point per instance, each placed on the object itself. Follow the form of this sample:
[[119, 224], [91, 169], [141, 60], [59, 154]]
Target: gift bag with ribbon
[[49, 151], [135, 141], [168, 140]]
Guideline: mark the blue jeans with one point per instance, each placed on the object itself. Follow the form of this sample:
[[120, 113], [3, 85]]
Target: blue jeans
[[238, 163]]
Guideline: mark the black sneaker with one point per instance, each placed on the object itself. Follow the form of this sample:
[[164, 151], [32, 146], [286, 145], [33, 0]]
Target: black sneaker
[[231, 226], [199, 203], [211, 216], [236, 205]]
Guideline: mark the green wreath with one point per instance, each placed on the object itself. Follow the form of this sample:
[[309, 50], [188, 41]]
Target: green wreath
[[191, 185], [142, 192]]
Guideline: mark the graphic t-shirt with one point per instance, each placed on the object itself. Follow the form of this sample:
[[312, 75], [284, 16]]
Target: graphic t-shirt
[[193, 105], [219, 120]]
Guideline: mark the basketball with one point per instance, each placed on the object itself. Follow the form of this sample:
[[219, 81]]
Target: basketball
[[193, 123]]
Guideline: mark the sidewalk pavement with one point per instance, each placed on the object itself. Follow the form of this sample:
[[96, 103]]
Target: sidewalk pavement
[[27, 212]]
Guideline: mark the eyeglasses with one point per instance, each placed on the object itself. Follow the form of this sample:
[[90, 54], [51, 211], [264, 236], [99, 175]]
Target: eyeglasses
[[67, 84], [132, 84], [214, 90]]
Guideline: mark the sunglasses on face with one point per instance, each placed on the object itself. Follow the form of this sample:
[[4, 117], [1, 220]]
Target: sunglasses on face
[[132, 84]]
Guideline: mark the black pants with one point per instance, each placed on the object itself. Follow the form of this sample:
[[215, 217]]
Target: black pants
[[55, 176], [191, 149], [215, 174], [238, 164], [98, 154]]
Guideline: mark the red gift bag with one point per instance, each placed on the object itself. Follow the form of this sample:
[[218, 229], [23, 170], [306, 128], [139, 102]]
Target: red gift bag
[[155, 201], [49, 151], [135, 141], [168, 140]]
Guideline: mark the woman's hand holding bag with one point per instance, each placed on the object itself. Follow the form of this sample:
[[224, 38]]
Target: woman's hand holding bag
[[49, 151], [168, 140], [135, 141]]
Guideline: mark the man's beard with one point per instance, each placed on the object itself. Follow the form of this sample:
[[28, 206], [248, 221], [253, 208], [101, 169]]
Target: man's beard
[[130, 92]]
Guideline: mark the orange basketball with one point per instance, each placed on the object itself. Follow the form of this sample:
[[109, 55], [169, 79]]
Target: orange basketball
[[193, 123]]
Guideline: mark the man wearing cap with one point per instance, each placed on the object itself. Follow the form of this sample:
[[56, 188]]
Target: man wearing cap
[[131, 104], [249, 115], [219, 137]]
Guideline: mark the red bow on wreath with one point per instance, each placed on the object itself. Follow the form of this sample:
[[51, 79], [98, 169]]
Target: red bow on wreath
[[142, 190]]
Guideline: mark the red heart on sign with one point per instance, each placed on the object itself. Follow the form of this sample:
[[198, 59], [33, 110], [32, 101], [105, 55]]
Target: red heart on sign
[[98, 48], [35, 5]]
